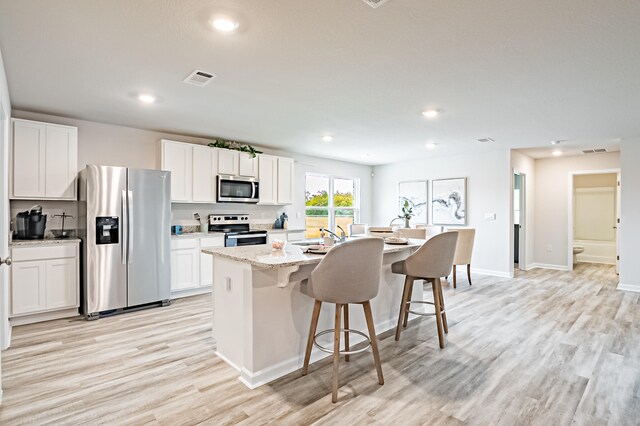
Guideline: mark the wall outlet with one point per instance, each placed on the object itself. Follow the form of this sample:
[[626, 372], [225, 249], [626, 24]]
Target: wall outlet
[[549, 248]]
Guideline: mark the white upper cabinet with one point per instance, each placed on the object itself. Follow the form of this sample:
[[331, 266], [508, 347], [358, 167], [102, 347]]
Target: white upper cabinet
[[45, 160], [177, 158], [228, 162], [205, 170], [248, 165], [285, 180], [268, 176]]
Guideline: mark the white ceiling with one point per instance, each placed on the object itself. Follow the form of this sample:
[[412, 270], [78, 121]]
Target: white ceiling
[[520, 72]]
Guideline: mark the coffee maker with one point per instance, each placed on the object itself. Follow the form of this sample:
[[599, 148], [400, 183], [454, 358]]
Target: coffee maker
[[30, 224]]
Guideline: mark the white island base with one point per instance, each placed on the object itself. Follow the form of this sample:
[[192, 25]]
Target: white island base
[[261, 319]]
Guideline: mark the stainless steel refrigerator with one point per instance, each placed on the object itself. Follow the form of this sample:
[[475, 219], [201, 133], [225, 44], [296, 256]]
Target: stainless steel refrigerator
[[124, 223]]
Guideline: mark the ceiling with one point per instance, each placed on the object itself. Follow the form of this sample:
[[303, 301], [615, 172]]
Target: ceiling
[[520, 72]]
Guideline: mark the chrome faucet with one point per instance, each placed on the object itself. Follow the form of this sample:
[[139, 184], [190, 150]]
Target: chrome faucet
[[335, 236]]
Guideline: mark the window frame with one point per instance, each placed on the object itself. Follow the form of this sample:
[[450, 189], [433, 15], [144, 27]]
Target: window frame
[[331, 209]]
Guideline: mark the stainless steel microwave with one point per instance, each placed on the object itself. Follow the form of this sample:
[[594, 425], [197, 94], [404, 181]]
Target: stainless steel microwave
[[238, 189]]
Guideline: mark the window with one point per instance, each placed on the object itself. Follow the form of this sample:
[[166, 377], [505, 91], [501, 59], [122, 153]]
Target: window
[[330, 202]]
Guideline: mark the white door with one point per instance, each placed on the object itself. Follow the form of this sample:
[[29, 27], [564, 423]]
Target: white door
[[228, 162], [617, 225], [205, 169], [185, 269], [28, 287], [61, 160], [248, 165], [29, 159], [177, 158], [61, 283], [268, 171], [285, 180]]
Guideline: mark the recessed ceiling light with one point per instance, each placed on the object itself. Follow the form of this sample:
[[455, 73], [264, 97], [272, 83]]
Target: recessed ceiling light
[[557, 153], [486, 140], [431, 145], [430, 113], [146, 98], [555, 142], [327, 138], [224, 24]]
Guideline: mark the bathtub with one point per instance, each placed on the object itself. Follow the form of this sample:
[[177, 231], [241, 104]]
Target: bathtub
[[597, 251]]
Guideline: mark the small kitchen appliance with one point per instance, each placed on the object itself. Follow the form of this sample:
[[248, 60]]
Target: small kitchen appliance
[[30, 224]]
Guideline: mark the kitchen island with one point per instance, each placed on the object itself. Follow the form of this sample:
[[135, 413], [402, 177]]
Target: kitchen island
[[261, 319]]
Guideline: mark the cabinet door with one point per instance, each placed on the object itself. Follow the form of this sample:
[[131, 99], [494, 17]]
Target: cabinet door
[[61, 162], [28, 287], [177, 158], [248, 165], [285, 180], [206, 260], [268, 175], [62, 284], [228, 162], [205, 170], [185, 269], [28, 159]]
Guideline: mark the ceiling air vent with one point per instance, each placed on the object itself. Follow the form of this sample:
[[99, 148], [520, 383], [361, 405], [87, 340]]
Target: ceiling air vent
[[375, 3], [485, 140], [199, 78]]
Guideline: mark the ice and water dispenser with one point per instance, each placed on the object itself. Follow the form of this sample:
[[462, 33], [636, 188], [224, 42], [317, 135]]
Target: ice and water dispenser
[[107, 230]]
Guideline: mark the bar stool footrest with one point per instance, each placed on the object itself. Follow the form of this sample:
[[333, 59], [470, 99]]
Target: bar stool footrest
[[423, 314], [342, 330]]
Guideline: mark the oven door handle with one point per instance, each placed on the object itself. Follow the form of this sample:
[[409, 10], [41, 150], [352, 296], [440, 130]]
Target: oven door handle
[[239, 237]]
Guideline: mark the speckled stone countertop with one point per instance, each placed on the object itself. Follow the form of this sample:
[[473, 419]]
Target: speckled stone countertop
[[197, 235], [263, 256], [44, 242]]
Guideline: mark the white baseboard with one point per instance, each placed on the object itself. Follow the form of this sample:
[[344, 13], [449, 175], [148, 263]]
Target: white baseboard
[[629, 287], [549, 266], [489, 272], [191, 292], [255, 379], [44, 316]]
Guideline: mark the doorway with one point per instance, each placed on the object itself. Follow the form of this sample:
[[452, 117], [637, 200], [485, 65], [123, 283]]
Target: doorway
[[594, 216], [519, 221]]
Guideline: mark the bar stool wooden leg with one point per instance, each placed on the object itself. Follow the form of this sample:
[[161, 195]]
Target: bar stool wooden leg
[[346, 333], [436, 302], [444, 310], [454, 276], [408, 281], [469, 273], [405, 320], [312, 334], [336, 353], [374, 340]]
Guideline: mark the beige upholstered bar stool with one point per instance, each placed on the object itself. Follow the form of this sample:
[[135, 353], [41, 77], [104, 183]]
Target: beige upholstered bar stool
[[430, 262], [464, 250], [349, 273]]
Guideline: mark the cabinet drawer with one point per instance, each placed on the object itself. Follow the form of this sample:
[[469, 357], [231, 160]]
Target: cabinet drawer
[[212, 242], [46, 252], [184, 243]]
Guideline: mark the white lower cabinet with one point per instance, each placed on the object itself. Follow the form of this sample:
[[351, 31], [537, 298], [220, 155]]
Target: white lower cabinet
[[192, 270], [44, 280]]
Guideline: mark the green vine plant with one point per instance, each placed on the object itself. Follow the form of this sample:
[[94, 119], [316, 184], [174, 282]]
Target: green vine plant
[[236, 146]]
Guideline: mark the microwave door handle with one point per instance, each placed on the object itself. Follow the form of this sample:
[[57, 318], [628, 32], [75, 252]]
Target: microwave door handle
[[124, 226], [253, 190]]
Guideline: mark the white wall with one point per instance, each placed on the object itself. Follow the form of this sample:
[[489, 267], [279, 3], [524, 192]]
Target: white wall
[[488, 191], [552, 203], [630, 215], [526, 165], [107, 144]]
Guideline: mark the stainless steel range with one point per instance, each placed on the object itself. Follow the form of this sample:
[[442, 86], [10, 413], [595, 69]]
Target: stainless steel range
[[236, 229]]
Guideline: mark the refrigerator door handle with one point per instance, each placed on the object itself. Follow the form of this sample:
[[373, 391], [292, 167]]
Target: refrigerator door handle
[[124, 243], [130, 224]]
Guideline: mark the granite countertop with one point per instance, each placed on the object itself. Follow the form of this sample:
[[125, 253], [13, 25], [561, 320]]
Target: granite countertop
[[44, 242], [198, 235], [263, 256]]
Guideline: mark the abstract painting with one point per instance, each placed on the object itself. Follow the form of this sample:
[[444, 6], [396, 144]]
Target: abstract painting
[[449, 201], [415, 192]]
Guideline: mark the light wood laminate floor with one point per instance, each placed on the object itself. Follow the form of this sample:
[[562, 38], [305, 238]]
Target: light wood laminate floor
[[546, 347]]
